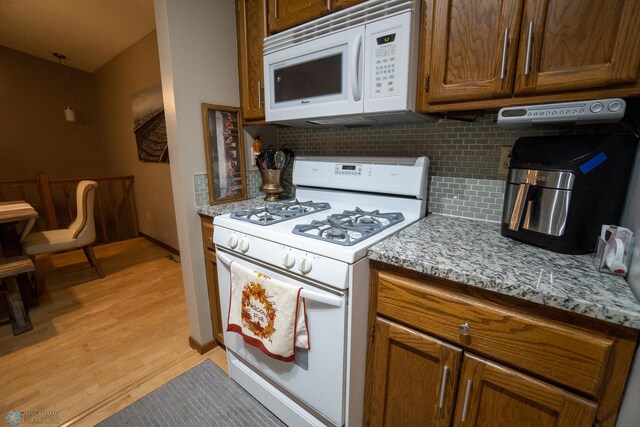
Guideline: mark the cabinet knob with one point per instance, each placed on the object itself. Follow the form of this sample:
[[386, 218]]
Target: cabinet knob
[[465, 329]]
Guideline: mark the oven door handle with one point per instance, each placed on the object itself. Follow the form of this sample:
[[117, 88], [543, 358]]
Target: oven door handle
[[225, 259], [327, 299], [321, 298]]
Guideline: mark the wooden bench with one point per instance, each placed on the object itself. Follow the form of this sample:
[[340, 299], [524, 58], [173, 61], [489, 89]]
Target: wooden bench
[[10, 268]]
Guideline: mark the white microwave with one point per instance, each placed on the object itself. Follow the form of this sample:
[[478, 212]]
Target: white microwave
[[356, 66]]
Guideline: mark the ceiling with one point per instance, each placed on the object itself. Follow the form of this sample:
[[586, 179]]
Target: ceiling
[[89, 32]]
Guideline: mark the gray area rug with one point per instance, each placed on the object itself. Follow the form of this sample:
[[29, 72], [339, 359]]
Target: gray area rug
[[202, 396]]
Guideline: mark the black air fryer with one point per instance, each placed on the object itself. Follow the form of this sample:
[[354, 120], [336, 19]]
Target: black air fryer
[[561, 189]]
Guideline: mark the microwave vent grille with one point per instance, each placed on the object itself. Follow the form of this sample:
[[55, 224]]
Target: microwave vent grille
[[355, 16]]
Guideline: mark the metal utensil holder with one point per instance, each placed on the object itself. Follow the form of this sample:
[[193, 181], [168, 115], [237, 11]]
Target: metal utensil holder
[[271, 184]]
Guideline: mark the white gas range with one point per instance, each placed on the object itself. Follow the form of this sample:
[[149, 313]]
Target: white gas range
[[319, 242]]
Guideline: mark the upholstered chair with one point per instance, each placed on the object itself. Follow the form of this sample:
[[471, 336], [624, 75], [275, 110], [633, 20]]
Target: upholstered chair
[[81, 233]]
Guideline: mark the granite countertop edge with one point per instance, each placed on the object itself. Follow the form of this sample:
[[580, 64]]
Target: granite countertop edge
[[224, 208], [584, 291]]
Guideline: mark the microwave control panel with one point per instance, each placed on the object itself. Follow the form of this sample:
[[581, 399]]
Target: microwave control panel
[[385, 57]]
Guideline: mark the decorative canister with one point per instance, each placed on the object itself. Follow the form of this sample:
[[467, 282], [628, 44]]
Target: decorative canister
[[271, 184]]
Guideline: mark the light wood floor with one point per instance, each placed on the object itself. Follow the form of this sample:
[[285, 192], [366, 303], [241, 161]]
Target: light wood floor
[[99, 344]]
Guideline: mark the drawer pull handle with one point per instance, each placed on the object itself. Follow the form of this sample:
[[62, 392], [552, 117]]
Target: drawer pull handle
[[465, 329], [445, 374], [210, 239], [465, 405]]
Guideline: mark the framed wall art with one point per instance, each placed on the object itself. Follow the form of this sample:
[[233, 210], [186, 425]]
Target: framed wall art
[[224, 150]]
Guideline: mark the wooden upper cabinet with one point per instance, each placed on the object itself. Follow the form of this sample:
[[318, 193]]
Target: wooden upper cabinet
[[568, 45], [473, 49], [490, 395], [252, 29], [414, 378], [285, 14]]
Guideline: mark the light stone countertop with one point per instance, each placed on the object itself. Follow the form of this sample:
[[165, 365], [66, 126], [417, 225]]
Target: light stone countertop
[[475, 253], [225, 208]]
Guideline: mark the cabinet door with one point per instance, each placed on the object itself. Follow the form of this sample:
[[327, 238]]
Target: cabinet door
[[414, 378], [252, 29], [494, 396], [211, 270], [473, 49], [214, 296], [285, 14], [571, 45]]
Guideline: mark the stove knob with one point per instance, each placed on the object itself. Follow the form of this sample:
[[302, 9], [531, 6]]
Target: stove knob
[[244, 245], [288, 260], [232, 241], [305, 265]]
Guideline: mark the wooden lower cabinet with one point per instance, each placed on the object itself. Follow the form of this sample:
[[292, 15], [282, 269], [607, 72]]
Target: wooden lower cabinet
[[414, 378], [490, 395], [442, 353], [212, 278], [419, 380]]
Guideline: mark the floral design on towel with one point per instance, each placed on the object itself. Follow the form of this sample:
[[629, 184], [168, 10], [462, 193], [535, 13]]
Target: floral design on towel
[[258, 313]]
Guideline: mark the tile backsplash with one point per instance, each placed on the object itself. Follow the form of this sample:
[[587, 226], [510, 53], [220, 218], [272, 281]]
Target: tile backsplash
[[463, 174], [455, 148]]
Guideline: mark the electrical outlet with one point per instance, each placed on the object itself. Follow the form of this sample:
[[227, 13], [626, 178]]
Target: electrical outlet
[[505, 160]]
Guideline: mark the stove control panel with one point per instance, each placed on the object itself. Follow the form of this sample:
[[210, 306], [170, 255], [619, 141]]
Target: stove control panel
[[344, 169], [298, 262]]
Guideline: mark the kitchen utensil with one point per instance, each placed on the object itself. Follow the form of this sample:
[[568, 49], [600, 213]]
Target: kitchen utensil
[[279, 159], [289, 155], [270, 153]]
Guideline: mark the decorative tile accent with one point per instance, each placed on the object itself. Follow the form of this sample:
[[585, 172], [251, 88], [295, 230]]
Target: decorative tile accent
[[202, 189], [254, 181], [467, 197]]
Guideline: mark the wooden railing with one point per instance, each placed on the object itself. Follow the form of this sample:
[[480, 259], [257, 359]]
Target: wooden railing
[[55, 201]]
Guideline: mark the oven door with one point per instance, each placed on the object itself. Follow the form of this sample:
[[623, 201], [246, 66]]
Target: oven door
[[316, 380], [317, 78]]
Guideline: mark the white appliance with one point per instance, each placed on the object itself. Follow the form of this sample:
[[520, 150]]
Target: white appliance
[[319, 242], [563, 114], [355, 66]]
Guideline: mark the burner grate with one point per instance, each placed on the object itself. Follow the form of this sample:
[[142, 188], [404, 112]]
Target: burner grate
[[278, 212], [349, 227]]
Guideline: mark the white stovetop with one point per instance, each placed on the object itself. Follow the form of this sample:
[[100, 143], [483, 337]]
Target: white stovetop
[[281, 233]]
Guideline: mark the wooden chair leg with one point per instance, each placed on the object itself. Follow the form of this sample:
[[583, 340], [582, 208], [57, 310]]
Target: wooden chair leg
[[88, 251]]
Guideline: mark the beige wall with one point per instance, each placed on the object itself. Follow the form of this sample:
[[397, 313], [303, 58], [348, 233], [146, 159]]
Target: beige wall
[[34, 136], [198, 59], [135, 69]]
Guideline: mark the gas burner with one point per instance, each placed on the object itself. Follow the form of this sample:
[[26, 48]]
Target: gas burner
[[349, 227], [278, 212]]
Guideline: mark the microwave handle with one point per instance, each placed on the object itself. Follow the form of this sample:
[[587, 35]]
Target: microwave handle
[[518, 207], [327, 299], [356, 68]]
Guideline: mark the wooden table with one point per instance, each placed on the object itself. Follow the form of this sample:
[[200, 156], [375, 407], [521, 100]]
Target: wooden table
[[11, 215]]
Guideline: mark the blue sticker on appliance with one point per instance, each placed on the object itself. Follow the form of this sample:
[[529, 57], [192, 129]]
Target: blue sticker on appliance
[[596, 161]]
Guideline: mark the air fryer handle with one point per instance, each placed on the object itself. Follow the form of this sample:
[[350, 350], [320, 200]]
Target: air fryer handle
[[518, 207]]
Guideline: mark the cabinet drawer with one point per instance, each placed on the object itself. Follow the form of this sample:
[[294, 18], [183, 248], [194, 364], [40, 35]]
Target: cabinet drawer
[[207, 233], [557, 351]]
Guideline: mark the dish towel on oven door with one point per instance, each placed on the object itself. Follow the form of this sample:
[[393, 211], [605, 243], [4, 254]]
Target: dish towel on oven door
[[268, 313]]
